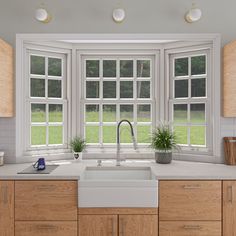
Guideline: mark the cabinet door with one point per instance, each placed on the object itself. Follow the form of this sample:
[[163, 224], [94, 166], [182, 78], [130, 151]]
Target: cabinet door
[[138, 225], [190, 200], [46, 228], [6, 208], [46, 200], [98, 225], [190, 228], [229, 208]]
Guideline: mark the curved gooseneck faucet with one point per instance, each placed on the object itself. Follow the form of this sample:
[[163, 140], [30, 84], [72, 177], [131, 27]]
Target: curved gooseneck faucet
[[118, 159]]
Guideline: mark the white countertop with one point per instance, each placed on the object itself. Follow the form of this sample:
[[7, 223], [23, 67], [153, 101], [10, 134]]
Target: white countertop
[[70, 169]]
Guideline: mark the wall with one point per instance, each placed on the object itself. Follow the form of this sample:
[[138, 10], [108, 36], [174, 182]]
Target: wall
[[92, 16]]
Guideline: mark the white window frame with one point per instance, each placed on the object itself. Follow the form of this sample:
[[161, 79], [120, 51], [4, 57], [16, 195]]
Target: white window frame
[[111, 41]]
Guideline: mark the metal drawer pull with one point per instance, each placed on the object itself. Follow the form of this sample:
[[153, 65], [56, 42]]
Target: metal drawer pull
[[46, 187], [197, 186], [122, 227], [112, 227], [46, 227], [192, 227], [5, 194], [230, 193]]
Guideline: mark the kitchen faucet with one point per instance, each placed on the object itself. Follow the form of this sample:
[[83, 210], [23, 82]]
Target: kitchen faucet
[[118, 159]]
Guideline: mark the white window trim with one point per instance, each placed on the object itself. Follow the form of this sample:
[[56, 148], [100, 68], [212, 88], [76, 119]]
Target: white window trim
[[133, 40]]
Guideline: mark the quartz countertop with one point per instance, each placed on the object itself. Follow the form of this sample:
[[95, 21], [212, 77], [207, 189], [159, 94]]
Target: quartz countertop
[[72, 170]]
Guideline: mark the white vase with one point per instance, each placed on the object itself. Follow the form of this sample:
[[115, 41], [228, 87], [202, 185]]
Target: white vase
[[78, 156]]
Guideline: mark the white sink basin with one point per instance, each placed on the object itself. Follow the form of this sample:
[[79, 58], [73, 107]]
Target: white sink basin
[[118, 173], [118, 187]]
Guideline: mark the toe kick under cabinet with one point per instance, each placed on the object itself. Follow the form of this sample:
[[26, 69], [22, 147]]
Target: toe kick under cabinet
[[46, 208], [190, 208]]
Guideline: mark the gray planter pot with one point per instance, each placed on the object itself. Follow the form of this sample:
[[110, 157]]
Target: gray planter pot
[[163, 157]]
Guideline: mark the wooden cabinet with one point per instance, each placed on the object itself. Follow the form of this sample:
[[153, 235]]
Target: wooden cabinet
[[138, 225], [6, 208], [190, 228], [46, 200], [42, 228], [6, 80], [229, 80], [229, 208], [98, 225], [190, 208], [190, 200], [118, 222]]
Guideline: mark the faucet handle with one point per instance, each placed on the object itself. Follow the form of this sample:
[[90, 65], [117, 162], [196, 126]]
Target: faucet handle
[[99, 162]]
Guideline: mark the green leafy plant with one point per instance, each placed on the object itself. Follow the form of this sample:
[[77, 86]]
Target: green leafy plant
[[163, 138], [77, 144]]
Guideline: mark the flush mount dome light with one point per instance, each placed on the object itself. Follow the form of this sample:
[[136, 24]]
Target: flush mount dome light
[[193, 15], [118, 15], [42, 15]]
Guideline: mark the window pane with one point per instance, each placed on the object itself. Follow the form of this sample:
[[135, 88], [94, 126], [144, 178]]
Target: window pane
[[109, 134], [54, 67], [198, 87], [38, 113], [125, 134], [144, 134], [37, 87], [143, 89], [126, 112], [109, 89], [54, 88], [181, 133], [92, 68], [38, 135], [55, 113], [92, 134], [143, 68], [180, 113], [181, 66], [92, 113], [109, 68], [197, 136], [126, 68], [126, 89], [37, 65], [181, 88], [55, 134], [144, 113], [198, 65], [197, 113], [92, 89], [109, 113]]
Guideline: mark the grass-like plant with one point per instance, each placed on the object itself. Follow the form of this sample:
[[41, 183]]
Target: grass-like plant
[[163, 139], [77, 144]]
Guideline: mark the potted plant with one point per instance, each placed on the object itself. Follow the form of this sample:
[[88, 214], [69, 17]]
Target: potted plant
[[163, 141], [77, 144]]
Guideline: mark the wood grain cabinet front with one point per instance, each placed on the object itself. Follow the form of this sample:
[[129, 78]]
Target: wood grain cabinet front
[[190, 228], [46, 200], [6, 208], [46, 228], [190, 200]]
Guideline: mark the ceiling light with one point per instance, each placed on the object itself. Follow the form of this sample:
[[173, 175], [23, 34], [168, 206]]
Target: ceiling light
[[193, 15], [42, 15], [118, 15]]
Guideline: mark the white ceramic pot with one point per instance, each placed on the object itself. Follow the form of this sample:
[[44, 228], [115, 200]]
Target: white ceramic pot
[[1, 158], [78, 156]]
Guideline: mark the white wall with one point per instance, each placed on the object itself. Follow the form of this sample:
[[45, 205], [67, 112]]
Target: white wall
[[93, 16]]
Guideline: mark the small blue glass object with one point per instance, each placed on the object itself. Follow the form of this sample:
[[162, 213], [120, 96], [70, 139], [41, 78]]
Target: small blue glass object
[[40, 164]]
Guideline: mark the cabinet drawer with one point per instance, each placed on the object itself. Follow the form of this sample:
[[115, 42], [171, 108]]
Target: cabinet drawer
[[44, 228], [190, 228], [190, 200], [46, 200]]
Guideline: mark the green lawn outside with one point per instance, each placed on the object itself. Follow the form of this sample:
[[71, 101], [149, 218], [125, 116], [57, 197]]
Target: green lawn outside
[[197, 133]]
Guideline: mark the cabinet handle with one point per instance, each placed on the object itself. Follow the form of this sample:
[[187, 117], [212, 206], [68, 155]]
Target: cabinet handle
[[230, 193], [195, 186], [112, 227], [192, 227], [46, 227], [5, 194], [122, 227], [46, 187]]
